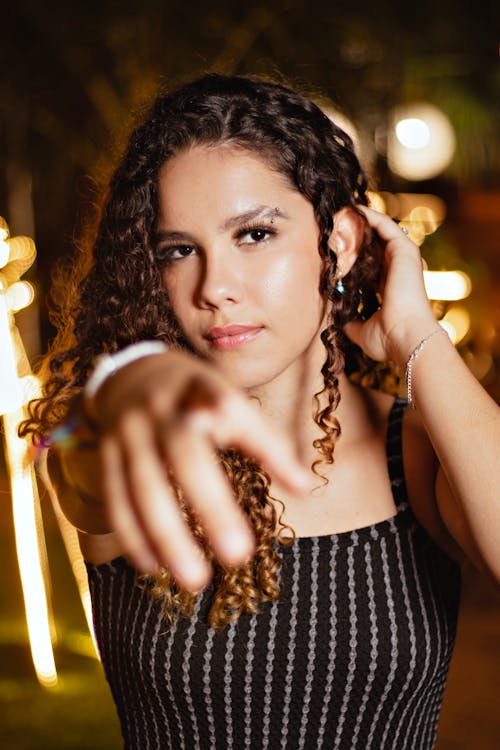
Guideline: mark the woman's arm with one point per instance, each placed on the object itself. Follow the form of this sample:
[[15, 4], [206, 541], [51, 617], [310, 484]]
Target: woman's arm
[[75, 476], [463, 424], [161, 420], [461, 420]]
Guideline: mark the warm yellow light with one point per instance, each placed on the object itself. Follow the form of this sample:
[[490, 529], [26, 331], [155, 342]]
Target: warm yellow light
[[376, 201], [413, 132], [24, 496], [421, 141], [456, 322], [11, 396], [22, 248], [420, 221], [4, 252], [343, 122], [20, 295], [426, 217], [417, 206], [31, 387], [70, 538], [447, 285], [14, 392], [21, 255], [416, 230]]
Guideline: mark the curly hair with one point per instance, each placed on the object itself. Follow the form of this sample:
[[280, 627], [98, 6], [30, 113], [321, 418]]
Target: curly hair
[[114, 296]]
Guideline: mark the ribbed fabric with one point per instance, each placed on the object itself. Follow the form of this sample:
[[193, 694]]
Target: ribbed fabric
[[354, 655]]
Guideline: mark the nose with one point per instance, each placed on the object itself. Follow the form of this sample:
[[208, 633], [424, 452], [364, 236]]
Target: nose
[[220, 280]]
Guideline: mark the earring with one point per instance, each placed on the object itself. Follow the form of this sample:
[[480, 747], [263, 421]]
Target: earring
[[339, 286]]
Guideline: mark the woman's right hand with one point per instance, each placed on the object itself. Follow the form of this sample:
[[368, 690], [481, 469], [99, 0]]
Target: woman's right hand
[[163, 417]]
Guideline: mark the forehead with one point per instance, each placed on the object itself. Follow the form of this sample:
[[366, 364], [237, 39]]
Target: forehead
[[202, 176], [206, 186]]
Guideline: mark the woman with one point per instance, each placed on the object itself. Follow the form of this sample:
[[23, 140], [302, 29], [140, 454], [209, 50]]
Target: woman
[[225, 451]]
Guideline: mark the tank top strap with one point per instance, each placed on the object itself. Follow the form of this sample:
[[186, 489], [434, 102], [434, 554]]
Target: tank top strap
[[394, 450]]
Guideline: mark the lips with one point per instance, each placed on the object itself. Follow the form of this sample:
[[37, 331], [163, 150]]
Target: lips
[[232, 336], [219, 333]]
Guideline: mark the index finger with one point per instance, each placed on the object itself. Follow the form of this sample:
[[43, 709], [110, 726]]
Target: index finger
[[385, 227], [241, 425]]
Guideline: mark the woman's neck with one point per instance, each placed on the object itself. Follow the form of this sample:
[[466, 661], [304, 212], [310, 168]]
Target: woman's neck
[[289, 405]]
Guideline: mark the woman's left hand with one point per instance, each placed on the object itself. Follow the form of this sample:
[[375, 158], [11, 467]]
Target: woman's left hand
[[405, 316]]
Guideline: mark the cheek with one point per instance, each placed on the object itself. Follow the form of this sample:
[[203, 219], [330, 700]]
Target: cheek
[[180, 293], [294, 286]]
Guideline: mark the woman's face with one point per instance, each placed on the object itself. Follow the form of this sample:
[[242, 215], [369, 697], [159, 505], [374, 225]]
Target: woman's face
[[243, 265]]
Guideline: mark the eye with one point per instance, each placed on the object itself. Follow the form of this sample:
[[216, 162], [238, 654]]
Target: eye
[[169, 253], [254, 235]]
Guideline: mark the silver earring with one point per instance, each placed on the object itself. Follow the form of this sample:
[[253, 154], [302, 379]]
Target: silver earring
[[339, 286]]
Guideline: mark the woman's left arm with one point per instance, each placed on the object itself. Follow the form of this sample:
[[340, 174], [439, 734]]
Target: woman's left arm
[[461, 420]]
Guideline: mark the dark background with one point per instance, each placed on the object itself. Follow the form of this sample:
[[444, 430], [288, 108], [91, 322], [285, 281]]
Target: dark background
[[71, 78]]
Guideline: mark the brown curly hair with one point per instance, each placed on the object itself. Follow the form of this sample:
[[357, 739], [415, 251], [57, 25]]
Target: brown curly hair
[[113, 295]]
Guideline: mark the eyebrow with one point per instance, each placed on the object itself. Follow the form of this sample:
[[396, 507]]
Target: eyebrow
[[263, 212]]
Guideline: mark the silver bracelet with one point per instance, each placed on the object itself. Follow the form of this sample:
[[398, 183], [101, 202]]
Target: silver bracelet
[[107, 364], [411, 360]]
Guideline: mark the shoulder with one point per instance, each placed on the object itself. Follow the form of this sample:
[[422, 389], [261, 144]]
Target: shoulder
[[421, 469], [416, 446], [419, 460], [97, 543]]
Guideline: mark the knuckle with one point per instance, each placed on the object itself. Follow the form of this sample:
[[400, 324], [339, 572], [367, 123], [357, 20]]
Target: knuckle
[[157, 402], [198, 421], [129, 422], [134, 548]]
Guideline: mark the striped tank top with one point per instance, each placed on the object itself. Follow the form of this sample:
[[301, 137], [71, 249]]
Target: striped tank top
[[354, 655]]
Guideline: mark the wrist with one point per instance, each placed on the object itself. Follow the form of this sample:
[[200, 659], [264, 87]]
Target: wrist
[[75, 433], [406, 337], [412, 359], [107, 365]]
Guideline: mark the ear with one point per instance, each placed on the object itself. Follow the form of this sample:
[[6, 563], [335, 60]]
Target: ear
[[347, 237]]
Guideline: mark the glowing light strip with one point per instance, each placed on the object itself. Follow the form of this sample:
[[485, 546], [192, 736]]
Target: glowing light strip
[[24, 492], [24, 495], [15, 392], [70, 539], [11, 395], [447, 285]]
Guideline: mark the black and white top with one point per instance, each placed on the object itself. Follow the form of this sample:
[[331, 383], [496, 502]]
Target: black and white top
[[354, 655]]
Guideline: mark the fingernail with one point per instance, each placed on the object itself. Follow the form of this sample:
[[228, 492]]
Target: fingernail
[[236, 544], [148, 564], [192, 572]]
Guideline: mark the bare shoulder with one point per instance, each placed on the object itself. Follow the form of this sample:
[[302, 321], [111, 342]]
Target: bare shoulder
[[83, 513], [99, 548], [420, 469], [418, 455]]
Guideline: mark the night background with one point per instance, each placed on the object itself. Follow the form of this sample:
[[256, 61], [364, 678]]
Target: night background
[[72, 79]]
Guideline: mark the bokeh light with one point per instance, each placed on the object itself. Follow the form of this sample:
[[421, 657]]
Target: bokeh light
[[413, 133], [4, 251], [20, 295], [343, 122], [421, 141], [456, 322], [447, 285]]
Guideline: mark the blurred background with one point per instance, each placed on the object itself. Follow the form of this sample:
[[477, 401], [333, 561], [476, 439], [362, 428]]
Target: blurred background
[[417, 85]]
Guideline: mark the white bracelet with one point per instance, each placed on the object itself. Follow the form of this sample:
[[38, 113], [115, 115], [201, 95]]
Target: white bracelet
[[107, 364], [411, 360]]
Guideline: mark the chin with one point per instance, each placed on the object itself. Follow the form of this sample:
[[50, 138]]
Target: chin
[[247, 374]]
